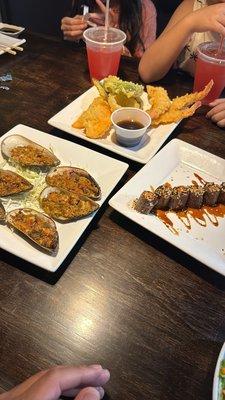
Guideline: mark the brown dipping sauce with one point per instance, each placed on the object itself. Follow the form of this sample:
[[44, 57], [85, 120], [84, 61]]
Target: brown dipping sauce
[[130, 124], [8, 30]]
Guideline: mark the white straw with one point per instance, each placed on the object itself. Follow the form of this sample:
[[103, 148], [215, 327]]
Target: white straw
[[107, 15]]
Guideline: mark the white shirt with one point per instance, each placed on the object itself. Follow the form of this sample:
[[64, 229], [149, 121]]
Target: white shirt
[[187, 58]]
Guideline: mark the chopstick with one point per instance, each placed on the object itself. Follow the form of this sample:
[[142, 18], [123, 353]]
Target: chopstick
[[7, 50], [10, 50], [85, 10], [18, 48]]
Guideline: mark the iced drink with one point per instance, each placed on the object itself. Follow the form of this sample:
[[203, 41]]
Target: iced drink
[[210, 65], [104, 49]]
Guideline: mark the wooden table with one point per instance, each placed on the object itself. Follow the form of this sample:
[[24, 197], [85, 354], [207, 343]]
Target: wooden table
[[151, 314]]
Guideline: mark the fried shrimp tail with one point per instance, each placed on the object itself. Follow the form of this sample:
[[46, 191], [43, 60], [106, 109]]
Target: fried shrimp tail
[[173, 115], [159, 100], [188, 99]]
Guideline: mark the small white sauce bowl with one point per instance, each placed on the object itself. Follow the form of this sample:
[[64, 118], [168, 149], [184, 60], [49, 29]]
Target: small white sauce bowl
[[130, 137]]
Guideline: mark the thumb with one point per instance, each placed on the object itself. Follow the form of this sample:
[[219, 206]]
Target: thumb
[[89, 393]]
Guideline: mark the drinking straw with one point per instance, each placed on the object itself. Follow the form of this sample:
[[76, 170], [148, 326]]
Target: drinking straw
[[219, 52], [107, 17]]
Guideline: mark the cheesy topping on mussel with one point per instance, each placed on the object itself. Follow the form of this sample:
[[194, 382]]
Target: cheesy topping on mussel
[[36, 227], [31, 155], [12, 183], [64, 205], [74, 182]]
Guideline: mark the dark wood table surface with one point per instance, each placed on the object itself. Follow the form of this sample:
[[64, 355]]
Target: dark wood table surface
[[124, 298]]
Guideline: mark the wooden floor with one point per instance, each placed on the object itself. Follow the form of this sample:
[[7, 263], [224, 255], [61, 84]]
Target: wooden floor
[[125, 298]]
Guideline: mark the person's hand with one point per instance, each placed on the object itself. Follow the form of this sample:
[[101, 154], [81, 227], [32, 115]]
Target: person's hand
[[217, 112], [82, 383], [73, 28], [99, 18], [210, 18]]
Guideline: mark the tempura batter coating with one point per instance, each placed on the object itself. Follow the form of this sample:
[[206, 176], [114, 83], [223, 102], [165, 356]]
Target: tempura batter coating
[[159, 100], [95, 120], [173, 115]]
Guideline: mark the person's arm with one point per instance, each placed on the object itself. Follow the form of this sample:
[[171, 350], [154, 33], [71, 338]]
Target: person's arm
[[161, 55], [148, 31]]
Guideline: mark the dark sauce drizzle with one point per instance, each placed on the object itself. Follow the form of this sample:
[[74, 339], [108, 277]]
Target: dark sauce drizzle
[[201, 216]]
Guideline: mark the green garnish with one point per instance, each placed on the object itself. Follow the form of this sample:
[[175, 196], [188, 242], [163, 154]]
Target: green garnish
[[222, 380]]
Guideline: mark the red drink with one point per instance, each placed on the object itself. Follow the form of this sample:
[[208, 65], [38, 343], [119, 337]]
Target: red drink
[[104, 48], [210, 65], [103, 63]]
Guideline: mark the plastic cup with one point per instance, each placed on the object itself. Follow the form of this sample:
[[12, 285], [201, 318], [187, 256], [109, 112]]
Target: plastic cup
[[210, 65], [104, 48]]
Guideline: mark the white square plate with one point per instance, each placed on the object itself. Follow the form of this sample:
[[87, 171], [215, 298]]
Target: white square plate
[[10, 42], [176, 163], [217, 387], [141, 153], [17, 29], [105, 170]]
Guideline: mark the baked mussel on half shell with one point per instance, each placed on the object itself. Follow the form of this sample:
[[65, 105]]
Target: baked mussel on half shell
[[12, 183], [76, 180], [66, 206], [36, 226], [2, 212], [22, 151]]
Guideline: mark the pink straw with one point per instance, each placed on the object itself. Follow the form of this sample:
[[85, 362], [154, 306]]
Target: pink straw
[[219, 52]]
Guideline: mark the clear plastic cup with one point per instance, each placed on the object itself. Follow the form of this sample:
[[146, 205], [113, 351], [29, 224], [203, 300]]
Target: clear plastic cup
[[104, 48], [210, 65]]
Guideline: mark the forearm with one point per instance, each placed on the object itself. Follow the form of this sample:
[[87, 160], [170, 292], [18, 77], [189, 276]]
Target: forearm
[[161, 55]]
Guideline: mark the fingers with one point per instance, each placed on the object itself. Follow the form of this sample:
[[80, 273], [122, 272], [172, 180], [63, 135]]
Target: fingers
[[216, 102], [217, 116], [219, 28], [66, 378], [98, 19], [221, 123], [101, 5], [217, 113], [103, 8], [75, 392], [73, 35], [58, 380], [20, 389], [216, 109], [89, 394], [73, 28]]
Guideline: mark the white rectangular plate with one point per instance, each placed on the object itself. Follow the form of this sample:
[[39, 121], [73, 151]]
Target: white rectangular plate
[[176, 163], [217, 387], [141, 153], [105, 170], [10, 42]]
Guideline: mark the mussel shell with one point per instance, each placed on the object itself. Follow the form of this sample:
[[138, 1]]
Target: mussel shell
[[73, 171], [2, 212], [84, 205], [49, 223], [13, 141], [14, 189]]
